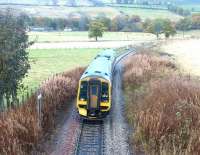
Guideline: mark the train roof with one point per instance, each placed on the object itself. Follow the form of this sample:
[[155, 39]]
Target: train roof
[[101, 66]]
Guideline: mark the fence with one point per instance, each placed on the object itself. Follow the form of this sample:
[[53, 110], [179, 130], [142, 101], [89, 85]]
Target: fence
[[19, 100], [23, 98]]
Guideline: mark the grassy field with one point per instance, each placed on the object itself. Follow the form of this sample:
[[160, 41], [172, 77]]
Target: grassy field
[[187, 54], [192, 7], [150, 13], [192, 33], [45, 63], [108, 36], [83, 36]]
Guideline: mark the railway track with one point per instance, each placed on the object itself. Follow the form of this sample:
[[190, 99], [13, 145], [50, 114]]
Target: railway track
[[91, 140]]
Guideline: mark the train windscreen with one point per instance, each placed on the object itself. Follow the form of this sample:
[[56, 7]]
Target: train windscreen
[[104, 92], [83, 91]]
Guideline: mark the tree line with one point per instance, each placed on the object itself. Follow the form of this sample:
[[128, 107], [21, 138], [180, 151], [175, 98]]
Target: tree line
[[122, 22], [135, 24], [178, 10]]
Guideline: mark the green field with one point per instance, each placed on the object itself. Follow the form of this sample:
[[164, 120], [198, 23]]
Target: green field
[[45, 63], [149, 13], [192, 7], [83, 36]]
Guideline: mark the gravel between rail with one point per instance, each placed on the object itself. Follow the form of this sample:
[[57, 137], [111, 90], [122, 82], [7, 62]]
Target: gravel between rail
[[91, 140]]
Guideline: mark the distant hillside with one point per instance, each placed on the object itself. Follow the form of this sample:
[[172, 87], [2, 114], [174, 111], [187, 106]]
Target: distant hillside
[[54, 2], [94, 2]]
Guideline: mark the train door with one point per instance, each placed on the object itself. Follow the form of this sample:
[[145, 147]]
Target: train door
[[94, 99], [94, 89]]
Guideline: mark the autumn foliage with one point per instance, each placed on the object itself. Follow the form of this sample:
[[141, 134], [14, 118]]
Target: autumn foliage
[[163, 106]]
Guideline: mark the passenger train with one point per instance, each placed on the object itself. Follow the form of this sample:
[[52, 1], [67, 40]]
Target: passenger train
[[95, 87]]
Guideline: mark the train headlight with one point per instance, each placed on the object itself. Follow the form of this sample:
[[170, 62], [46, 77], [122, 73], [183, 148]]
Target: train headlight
[[104, 95], [82, 99]]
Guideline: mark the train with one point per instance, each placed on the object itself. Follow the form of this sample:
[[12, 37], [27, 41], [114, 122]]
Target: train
[[94, 97]]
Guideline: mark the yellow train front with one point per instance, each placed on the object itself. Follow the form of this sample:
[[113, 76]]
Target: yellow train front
[[95, 87]]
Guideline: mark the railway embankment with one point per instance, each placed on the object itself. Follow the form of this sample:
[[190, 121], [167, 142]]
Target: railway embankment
[[162, 105], [22, 129]]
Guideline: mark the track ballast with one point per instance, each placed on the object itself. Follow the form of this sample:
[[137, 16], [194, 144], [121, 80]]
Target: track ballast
[[91, 140]]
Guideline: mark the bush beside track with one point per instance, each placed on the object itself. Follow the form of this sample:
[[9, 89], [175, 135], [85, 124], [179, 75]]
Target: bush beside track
[[19, 128], [163, 106]]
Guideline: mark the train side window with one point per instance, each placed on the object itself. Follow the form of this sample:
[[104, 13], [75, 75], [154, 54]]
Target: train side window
[[83, 90], [104, 92]]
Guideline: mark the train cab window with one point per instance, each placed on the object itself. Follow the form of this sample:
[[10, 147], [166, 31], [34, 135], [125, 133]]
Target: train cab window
[[104, 92], [83, 90]]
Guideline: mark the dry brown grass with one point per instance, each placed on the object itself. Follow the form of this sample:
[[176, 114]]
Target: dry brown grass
[[167, 119], [57, 91], [145, 66], [163, 106], [19, 130]]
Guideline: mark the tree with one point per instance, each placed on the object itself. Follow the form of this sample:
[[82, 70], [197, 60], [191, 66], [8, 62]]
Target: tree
[[196, 21], [160, 26], [96, 29], [119, 22], [168, 29], [156, 27], [146, 24], [135, 19], [105, 20], [184, 25], [13, 54]]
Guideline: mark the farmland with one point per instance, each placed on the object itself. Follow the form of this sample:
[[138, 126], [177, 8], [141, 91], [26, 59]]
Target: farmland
[[50, 61], [45, 63], [150, 13], [65, 12], [193, 7], [83, 36], [186, 53], [56, 37]]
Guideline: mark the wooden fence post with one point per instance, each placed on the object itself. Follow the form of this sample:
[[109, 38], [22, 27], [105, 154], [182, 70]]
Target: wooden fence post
[[2, 104], [39, 108]]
